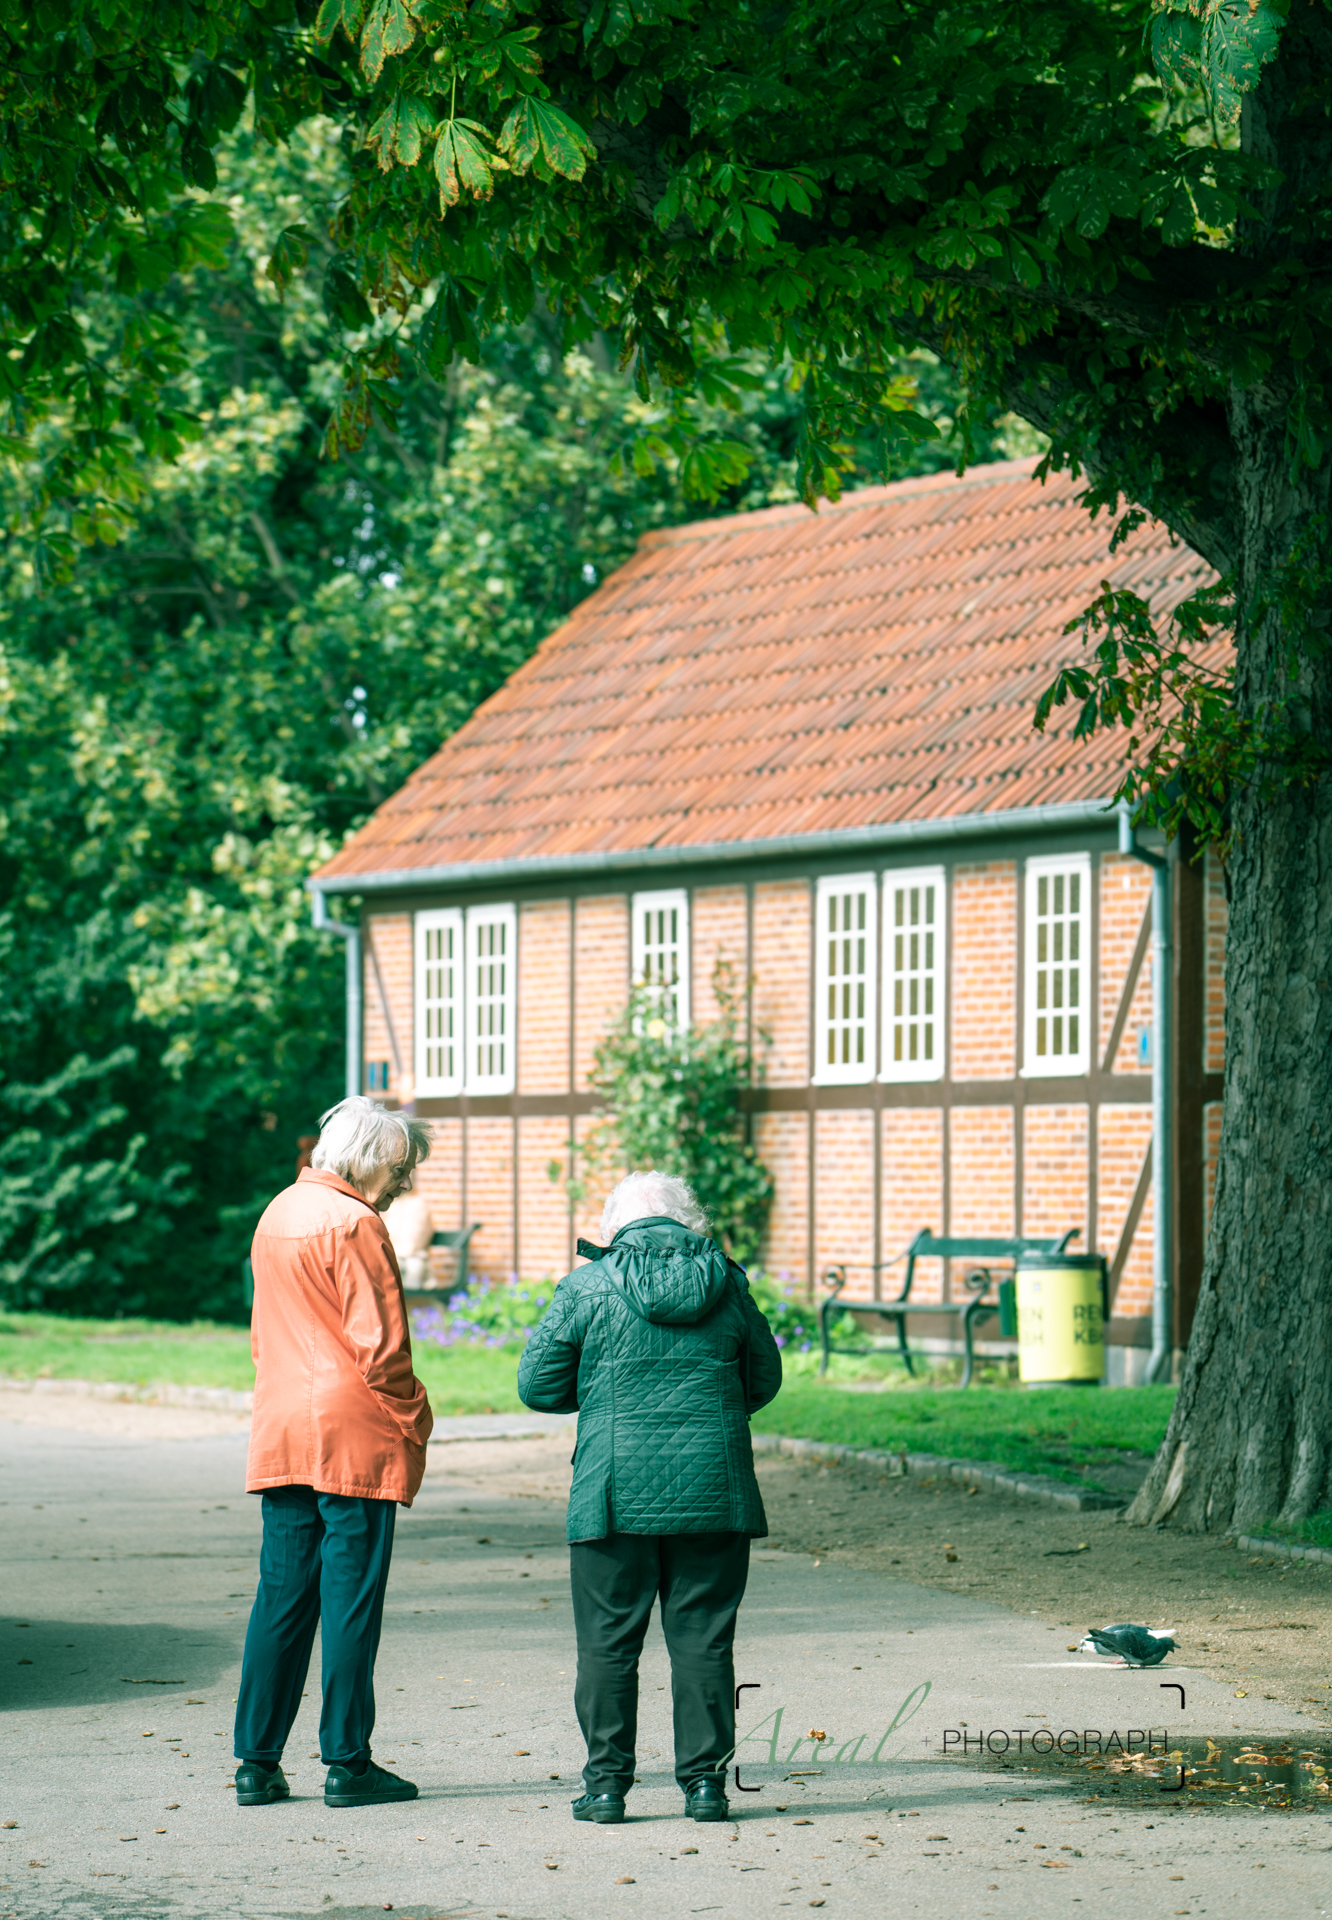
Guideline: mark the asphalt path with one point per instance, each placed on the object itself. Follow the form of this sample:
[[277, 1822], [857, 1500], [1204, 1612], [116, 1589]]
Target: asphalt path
[[129, 1565]]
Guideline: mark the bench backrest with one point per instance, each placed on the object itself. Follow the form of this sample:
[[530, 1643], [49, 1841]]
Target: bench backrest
[[983, 1247]]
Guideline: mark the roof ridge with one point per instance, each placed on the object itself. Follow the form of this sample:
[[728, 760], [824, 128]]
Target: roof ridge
[[939, 482]]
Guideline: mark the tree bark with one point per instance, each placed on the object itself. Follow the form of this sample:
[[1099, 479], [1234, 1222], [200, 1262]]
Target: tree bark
[[1250, 1439]]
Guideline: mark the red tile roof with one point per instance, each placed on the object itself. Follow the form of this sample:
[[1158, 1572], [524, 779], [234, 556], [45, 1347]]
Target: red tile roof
[[784, 673]]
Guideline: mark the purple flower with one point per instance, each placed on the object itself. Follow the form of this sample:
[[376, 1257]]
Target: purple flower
[[780, 1339], [804, 1346]]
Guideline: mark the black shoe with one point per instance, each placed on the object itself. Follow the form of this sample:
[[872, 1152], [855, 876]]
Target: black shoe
[[343, 1788], [607, 1809], [259, 1786], [705, 1800]]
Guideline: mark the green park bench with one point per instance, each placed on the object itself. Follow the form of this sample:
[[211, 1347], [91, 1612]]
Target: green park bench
[[983, 1248]]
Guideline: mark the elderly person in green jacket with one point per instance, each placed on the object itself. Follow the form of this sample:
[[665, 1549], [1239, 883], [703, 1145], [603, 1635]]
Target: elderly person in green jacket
[[658, 1346]]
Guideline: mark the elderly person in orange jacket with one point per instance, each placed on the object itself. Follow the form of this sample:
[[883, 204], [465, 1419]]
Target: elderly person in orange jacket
[[337, 1442]]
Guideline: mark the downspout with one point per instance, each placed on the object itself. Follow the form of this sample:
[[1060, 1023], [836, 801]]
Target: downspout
[[1160, 1363], [352, 935]]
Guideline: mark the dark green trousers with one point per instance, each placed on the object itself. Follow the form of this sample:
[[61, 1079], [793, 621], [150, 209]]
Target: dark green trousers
[[324, 1563], [700, 1579]]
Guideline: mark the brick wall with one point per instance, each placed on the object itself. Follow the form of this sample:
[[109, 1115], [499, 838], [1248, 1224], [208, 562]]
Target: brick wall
[[543, 996], [544, 1246], [912, 1143], [781, 979], [439, 1179], [782, 1140], [844, 1196], [1125, 1136], [490, 1193], [390, 934], [1214, 1043], [984, 1013], [981, 1170], [717, 932], [598, 1179], [601, 973], [1054, 1171], [1126, 895]]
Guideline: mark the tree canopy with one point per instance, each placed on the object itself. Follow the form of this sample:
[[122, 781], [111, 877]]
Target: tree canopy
[[194, 714], [1054, 196]]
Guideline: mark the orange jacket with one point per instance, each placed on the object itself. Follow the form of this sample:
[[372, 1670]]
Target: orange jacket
[[336, 1404]]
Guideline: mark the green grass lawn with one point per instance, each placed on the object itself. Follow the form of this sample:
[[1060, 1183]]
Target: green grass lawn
[[1057, 1430], [148, 1353]]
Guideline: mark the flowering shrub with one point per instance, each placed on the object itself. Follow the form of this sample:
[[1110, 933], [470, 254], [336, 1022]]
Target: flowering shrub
[[788, 1311], [485, 1313]]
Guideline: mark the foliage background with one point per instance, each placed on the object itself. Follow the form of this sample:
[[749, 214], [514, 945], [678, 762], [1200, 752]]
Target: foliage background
[[196, 717]]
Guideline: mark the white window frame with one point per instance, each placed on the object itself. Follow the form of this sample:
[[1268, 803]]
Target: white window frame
[[1047, 1065], [443, 920], [926, 979], [843, 1072], [644, 952], [489, 1017]]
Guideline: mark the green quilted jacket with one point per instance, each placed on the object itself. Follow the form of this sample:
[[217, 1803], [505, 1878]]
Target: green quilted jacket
[[661, 1351]]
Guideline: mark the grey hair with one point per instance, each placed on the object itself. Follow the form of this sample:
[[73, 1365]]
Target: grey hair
[[359, 1141], [641, 1195]]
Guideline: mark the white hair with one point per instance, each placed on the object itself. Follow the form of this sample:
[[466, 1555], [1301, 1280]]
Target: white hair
[[640, 1196], [359, 1141]]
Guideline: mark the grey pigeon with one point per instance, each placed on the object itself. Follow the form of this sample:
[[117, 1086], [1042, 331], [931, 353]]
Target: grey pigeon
[[1135, 1646]]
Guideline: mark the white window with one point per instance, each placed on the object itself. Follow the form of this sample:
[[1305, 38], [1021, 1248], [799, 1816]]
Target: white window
[[465, 999], [1058, 903], [492, 940], [913, 974], [846, 910], [439, 1000], [660, 957]]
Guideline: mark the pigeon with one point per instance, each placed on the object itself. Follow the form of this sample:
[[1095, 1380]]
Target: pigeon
[[1134, 1646]]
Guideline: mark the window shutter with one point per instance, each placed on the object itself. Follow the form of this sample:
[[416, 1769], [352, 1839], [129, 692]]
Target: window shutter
[[846, 912], [1057, 1023], [439, 1001], [660, 950], [914, 974], [492, 938]]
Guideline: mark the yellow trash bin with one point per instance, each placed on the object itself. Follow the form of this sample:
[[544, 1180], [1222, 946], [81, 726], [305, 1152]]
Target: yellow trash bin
[[1061, 1319]]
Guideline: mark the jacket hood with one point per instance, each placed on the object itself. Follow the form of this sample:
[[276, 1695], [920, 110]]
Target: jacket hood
[[668, 1275]]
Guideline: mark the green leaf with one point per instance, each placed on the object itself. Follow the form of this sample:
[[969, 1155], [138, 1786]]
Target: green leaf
[[206, 235], [1177, 47], [401, 131], [343, 299], [462, 162], [536, 127], [290, 256], [333, 14], [1238, 39], [711, 465], [389, 30]]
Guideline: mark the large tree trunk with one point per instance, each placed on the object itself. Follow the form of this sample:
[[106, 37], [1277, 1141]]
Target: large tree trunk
[[1250, 1440]]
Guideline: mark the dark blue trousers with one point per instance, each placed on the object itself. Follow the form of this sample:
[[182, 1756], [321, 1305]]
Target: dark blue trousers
[[324, 1563]]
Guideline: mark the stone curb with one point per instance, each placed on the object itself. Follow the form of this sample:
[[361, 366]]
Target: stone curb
[[1253, 1543], [230, 1400], [970, 1473], [227, 1399]]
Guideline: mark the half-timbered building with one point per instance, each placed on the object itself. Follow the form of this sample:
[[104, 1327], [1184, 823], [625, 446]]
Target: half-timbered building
[[802, 743]]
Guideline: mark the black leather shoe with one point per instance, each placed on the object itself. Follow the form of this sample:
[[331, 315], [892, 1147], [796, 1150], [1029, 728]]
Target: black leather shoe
[[705, 1800], [373, 1788], [607, 1809], [258, 1786]]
